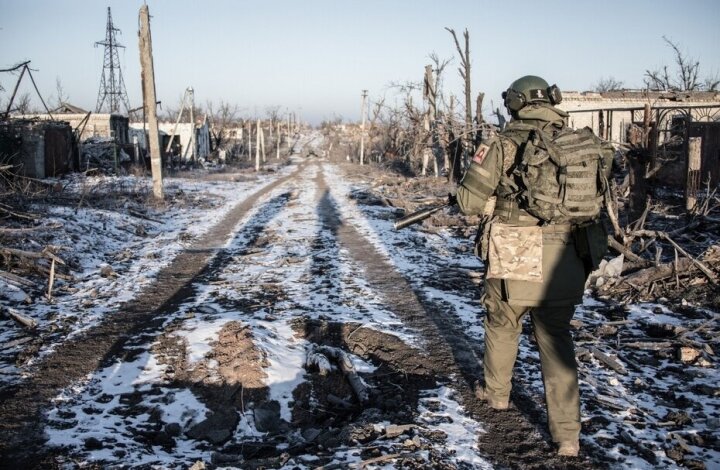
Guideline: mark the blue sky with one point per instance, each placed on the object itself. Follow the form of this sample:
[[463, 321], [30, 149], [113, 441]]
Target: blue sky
[[315, 56]]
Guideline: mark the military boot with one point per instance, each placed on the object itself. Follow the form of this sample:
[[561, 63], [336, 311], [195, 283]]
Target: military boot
[[569, 449], [482, 395]]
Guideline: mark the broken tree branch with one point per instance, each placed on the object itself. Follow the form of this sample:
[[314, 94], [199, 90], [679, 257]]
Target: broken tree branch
[[16, 280], [25, 321], [659, 234], [629, 255]]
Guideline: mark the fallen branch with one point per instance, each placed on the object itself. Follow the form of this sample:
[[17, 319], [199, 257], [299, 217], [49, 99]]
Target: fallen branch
[[658, 234], [629, 255], [23, 320], [644, 277], [699, 328], [140, 215], [649, 345], [608, 361], [13, 231], [51, 281], [20, 215], [16, 280], [45, 253], [382, 458]]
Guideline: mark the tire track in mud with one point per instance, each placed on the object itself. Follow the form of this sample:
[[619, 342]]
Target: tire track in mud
[[21, 406], [515, 437]]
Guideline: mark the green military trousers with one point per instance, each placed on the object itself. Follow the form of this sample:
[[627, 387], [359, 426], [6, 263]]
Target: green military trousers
[[551, 306]]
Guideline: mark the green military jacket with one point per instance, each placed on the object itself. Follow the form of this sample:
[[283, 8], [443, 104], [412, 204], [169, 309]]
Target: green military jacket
[[495, 159], [489, 175]]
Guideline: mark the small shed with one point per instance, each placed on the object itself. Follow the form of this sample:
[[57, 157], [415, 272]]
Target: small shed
[[40, 149]]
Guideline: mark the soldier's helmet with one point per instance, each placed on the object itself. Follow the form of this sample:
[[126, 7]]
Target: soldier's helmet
[[530, 89]]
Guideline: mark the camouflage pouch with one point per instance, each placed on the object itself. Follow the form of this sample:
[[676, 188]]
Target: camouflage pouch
[[515, 253]]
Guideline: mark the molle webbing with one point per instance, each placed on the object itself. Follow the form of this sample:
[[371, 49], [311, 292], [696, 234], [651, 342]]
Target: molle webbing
[[508, 212], [561, 176]]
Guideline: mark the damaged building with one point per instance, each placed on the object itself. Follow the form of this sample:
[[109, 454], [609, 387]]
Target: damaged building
[[184, 141], [105, 140], [673, 118], [38, 149]]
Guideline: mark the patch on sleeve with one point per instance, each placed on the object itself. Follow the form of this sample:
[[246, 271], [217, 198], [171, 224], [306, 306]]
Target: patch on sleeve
[[480, 154]]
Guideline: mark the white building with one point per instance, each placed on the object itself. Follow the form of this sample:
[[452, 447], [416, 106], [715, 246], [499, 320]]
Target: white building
[[180, 136]]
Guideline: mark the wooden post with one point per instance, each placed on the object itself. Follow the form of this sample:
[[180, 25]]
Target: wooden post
[[257, 146], [277, 145], [262, 142], [149, 100], [425, 149], [362, 127], [694, 163], [646, 125], [249, 126]]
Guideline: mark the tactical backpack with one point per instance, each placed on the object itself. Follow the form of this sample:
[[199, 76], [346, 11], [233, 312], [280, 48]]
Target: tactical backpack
[[561, 178]]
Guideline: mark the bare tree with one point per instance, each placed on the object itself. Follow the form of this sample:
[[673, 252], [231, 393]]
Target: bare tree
[[683, 78], [439, 67], [62, 97], [464, 71], [23, 103], [608, 84], [221, 120], [469, 138]]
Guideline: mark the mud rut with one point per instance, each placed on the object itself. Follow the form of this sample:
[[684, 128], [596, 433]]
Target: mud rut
[[324, 413]]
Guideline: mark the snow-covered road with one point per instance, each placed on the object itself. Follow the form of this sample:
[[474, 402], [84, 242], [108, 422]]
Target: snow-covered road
[[233, 338]]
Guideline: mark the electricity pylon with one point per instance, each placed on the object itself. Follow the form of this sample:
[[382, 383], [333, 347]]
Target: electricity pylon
[[112, 87]]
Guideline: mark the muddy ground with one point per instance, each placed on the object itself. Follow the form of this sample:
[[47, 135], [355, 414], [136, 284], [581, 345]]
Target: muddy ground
[[326, 413]]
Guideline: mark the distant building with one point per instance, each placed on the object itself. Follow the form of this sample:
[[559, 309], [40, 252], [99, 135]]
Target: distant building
[[87, 124], [674, 118], [181, 138], [609, 114]]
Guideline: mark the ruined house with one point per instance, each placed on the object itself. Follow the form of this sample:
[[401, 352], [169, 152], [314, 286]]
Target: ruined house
[[37, 148], [178, 136], [674, 117], [87, 124]]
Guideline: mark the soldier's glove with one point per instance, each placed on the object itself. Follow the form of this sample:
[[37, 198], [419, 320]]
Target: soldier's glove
[[452, 199]]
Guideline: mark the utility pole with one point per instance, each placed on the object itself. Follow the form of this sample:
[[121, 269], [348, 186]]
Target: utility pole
[[362, 127], [112, 87], [149, 99], [193, 141]]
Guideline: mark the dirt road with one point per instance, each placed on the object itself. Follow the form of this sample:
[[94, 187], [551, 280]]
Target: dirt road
[[209, 363]]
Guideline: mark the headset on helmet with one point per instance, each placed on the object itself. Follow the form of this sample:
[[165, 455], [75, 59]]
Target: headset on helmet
[[530, 89]]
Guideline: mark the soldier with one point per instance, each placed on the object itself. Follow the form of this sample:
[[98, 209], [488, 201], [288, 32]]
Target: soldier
[[537, 259]]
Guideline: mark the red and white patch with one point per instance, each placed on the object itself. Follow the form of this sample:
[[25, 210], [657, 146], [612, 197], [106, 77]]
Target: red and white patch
[[480, 154]]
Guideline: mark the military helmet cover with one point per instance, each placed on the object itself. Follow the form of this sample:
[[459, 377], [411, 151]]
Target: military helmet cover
[[530, 89]]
